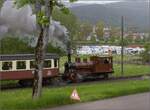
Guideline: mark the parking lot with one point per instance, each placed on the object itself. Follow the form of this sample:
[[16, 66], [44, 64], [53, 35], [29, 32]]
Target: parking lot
[[105, 49]]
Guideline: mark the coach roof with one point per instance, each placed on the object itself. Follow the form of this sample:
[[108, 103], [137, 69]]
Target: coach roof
[[26, 56]]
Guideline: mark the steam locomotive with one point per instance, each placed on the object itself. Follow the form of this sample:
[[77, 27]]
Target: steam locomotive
[[93, 66]]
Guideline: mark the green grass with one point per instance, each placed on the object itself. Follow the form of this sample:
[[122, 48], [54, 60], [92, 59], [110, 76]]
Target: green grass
[[21, 99], [8, 82], [131, 69], [126, 58]]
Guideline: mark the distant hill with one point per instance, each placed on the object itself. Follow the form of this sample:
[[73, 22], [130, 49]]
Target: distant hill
[[136, 13]]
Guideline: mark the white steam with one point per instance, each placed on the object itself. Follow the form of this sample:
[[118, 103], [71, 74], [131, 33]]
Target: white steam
[[17, 19]]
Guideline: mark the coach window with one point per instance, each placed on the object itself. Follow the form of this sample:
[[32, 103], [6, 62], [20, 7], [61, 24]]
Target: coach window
[[6, 65], [21, 65], [32, 64], [47, 64], [106, 61], [55, 62]]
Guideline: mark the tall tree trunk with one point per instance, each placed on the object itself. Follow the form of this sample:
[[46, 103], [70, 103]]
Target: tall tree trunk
[[40, 48], [39, 57], [39, 60]]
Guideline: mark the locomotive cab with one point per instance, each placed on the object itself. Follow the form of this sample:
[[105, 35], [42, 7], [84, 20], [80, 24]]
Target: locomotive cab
[[102, 64]]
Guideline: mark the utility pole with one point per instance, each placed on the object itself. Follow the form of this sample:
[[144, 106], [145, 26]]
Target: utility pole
[[69, 51], [149, 21], [122, 44]]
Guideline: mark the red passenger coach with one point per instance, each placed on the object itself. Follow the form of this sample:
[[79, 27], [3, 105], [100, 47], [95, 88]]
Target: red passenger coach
[[21, 67]]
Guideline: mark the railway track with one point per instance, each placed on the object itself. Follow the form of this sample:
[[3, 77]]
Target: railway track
[[87, 81]]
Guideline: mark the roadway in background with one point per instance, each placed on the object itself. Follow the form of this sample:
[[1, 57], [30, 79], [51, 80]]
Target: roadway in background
[[131, 102]]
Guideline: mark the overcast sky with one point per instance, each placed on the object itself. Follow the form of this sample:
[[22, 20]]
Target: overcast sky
[[90, 2]]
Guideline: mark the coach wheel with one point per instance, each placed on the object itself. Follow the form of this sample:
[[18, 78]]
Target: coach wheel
[[55, 81], [25, 83], [106, 76], [76, 78]]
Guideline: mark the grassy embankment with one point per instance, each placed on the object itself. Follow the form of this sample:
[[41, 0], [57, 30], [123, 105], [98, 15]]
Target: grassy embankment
[[131, 70], [21, 99]]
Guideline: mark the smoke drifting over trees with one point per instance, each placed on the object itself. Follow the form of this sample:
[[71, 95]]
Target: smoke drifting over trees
[[22, 21], [17, 19]]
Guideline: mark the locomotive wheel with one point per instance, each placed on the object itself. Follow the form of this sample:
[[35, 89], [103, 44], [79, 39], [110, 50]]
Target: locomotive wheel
[[72, 77], [79, 78], [76, 78]]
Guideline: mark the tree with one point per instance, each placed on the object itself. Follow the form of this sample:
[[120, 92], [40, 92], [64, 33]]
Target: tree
[[13, 45], [84, 30], [43, 10], [115, 31], [146, 54], [99, 29], [52, 49], [68, 20], [1, 3]]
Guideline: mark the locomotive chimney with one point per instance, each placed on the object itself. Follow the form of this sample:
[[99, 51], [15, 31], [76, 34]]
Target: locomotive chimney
[[69, 51]]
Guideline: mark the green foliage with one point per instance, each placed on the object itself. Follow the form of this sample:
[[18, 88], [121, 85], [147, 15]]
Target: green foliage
[[84, 30], [99, 29], [115, 31], [51, 49], [73, 0], [65, 10], [42, 19], [68, 20], [22, 3], [1, 3], [14, 45], [125, 42], [146, 54], [93, 39]]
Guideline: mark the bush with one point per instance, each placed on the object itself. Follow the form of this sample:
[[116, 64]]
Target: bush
[[146, 54], [15, 45]]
